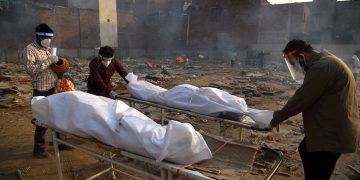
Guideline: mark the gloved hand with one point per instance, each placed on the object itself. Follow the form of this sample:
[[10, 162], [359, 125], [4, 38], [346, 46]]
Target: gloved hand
[[53, 59], [277, 119], [112, 94]]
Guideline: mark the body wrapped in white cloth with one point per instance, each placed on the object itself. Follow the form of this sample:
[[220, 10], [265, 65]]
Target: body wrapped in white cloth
[[115, 123], [203, 100]]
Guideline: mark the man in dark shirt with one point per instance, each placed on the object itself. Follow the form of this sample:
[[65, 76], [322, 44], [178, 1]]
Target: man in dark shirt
[[102, 68], [328, 102]]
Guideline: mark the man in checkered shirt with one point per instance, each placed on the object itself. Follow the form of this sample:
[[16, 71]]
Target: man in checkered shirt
[[37, 58]]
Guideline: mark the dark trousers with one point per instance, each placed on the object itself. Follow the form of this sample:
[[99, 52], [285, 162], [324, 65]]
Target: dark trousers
[[317, 165], [39, 138]]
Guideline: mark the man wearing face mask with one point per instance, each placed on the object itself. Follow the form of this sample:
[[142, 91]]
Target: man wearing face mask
[[37, 58], [328, 103], [102, 68]]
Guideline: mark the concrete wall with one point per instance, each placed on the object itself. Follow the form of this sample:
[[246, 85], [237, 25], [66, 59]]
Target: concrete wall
[[223, 25], [279, 23], [108, 23], [74, 28], [157, 28], [84, 4]]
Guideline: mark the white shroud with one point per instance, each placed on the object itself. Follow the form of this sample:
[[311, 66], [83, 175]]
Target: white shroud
[[115, 123], [203, 100]]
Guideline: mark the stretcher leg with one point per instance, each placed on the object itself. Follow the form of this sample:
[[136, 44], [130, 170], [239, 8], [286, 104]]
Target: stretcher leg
[[170, 176], [223, 128], [57, 156], [111, 155], [99, 174], [162, 116], [240, 134], [163, 174]]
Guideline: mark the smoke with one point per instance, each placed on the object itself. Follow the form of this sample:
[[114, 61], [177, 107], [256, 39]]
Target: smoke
[[162, 28], [220, 27], [17, 25]]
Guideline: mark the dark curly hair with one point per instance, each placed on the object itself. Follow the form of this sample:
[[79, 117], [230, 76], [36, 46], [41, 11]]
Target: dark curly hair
[[43, 28], [106, 52]]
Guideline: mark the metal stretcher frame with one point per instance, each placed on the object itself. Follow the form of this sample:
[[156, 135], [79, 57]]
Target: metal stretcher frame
[[167, 169], [224, 122]]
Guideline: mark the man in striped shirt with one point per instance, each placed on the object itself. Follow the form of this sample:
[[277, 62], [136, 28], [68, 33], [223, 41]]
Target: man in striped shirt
[[37, 58]]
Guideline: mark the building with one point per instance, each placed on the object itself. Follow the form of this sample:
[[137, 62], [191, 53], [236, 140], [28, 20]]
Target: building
[[171, 27]]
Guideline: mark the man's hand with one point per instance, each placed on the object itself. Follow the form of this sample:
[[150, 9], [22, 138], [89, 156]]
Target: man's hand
[[112, 94], [276, 120], [53, 59]]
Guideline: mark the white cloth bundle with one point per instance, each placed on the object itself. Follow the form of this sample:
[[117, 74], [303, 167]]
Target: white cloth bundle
[[204, 100], [115, 123]]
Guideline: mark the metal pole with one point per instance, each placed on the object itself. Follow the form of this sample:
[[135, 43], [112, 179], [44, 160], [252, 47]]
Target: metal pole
[[79, 24], [57, 156], [170, 176], [99, 174], [279, 160], [289, 19], [111, 155], [162, 116], [99, 156], [188, 29], [163, 174], [240, 133]]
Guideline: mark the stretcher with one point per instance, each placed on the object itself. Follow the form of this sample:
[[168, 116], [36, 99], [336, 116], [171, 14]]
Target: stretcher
[[130, 134], [230, 160], [245, 122]]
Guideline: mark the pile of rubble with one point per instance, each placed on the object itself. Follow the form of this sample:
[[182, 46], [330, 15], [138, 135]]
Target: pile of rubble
[[15, 86]]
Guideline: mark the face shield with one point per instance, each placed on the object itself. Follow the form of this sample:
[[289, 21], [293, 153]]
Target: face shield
[[296, 69], [45, 38]]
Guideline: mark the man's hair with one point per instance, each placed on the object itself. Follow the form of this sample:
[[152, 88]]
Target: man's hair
[[298, 45], [43, 28], [106, 51]]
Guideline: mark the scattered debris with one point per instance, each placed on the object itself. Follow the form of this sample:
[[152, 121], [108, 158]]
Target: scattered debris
[[152, 65], [354, 169], [284, 174]]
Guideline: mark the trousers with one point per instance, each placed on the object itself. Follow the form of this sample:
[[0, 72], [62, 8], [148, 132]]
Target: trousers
[[39, 137], [317, 165]]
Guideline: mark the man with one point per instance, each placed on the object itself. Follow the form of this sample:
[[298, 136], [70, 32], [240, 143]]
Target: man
[[233, 57], [102, 68], [38, 58], [355, 64], [261, 58], [328, 102]]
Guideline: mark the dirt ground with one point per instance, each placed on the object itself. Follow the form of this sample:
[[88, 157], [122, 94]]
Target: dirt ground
[[262, 89]]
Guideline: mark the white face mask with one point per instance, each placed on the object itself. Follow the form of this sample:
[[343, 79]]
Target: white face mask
[[46, 42], [106, 63]]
